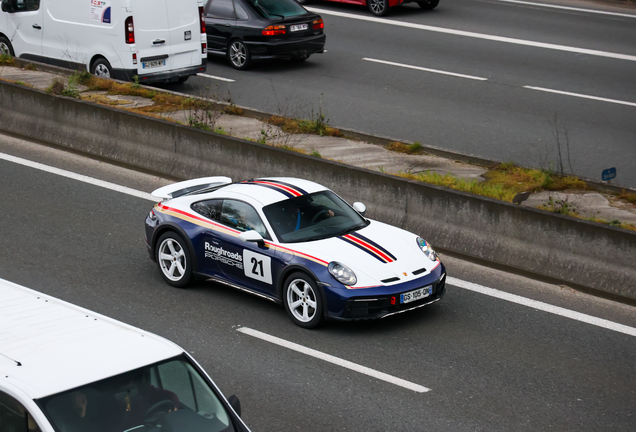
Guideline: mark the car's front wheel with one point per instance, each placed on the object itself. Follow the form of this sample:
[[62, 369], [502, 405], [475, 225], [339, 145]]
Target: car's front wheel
[[101, 68], [239, 55], [302, 300], [173, 259], [378, 7], [428, 4]]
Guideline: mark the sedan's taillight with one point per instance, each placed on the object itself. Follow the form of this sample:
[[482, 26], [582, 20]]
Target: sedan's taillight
[[201, 19], [318, 24], [130, 30], [274, 30]]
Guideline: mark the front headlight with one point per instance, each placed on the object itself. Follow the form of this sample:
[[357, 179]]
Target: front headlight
[[427, 249], [342, 273]]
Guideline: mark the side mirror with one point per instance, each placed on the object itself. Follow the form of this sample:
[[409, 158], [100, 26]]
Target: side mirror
[[235, 403], [252, 237], [360, 208], [8, 6]]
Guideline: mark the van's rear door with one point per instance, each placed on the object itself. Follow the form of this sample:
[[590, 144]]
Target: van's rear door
[[167, 34]]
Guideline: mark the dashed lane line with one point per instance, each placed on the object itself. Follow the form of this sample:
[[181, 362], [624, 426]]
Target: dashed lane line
[[593, 11], [214, 77], [579, 95], [437, 71]]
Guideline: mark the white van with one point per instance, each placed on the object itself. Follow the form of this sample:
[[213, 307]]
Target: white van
[[67, 369], [156, 40]]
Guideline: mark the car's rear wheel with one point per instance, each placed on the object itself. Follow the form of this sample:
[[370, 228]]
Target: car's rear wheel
[[101, 68], [238, 54], [173, 259], [5, 47], [378, 7], [428, 4], [302, 300]]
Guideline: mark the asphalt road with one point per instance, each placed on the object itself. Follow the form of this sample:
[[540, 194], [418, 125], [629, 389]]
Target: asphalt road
[[491, 365], [496, 117]]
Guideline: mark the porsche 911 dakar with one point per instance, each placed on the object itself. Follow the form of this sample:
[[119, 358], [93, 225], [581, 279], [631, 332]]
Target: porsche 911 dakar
[[294, 242]]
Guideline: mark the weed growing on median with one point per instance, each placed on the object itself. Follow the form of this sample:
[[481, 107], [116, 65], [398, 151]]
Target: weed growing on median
[[315, 153], [413, 149], [7, 60]]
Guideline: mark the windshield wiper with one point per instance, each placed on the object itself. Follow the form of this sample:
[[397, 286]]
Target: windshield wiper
[[350, 229]]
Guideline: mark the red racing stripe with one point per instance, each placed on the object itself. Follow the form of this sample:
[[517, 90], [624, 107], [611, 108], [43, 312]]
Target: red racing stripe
[[287, 188], [370, 247]]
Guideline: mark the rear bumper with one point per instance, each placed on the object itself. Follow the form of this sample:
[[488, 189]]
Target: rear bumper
[[287, 49], [169, 76]]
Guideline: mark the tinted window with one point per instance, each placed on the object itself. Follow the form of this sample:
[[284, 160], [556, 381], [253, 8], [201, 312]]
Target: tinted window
[[14, 417], [210, 209], [220, 9], [242, 217], [284, 8], [241, 13], [27, 5]]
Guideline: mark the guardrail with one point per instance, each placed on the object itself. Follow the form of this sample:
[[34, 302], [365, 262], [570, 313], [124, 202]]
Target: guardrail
[[577, 252]]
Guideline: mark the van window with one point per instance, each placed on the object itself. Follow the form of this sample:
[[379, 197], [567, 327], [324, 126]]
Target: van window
[[27, 5], [220, 9], [14, 417], [170, 395]]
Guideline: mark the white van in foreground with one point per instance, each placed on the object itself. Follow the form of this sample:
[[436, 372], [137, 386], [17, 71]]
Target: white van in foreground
[[156, 40], [67, 369]]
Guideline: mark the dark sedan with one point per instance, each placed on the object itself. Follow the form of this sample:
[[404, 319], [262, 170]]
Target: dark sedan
[[248, 30]]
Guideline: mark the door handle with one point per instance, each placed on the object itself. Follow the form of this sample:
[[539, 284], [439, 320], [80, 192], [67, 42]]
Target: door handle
[[36, 26], [158, 41]]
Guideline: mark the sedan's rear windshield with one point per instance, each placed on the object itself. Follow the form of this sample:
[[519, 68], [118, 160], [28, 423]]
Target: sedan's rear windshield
[[278, 8]]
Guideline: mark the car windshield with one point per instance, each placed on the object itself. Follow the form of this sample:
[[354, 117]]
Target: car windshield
[[169, 396], [312, 217], [281, 8]]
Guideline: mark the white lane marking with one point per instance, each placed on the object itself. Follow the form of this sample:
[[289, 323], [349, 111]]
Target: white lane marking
[[581, 95], [569, 8], [215, 77], [79, 177], [335, 360], [425, 69], [545, 307], [477, 35], [610, 325]]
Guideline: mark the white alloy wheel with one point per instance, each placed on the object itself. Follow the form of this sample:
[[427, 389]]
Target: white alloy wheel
[[302, 301], [174, 259]]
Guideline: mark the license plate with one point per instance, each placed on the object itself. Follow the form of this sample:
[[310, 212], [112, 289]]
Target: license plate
[[298, 27], [153, 64], [417, 294]]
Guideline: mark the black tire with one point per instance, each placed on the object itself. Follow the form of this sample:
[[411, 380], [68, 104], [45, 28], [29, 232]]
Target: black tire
[[238, 54], [174, 260], [303, 301], [428, 4], [5, 47], [183, 79], [378, 7], [101, 68]]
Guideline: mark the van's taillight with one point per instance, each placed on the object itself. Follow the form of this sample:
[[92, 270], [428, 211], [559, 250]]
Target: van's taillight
[[134, 58], [201, 19], [318, 24], [204, 48], [274, 30], [130, 30]]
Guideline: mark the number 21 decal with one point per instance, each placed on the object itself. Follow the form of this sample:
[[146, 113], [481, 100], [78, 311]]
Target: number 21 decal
[[257, 266]]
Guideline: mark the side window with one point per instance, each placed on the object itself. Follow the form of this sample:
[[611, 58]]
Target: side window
[[242, 217], [210, 209], [14, 417], [241, 13], [220, 9], [27, 5]]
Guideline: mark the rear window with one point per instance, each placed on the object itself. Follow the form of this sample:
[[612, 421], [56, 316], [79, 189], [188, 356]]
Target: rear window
[[277, 8]]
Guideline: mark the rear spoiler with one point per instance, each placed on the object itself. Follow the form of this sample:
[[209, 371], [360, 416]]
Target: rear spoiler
[[185, 187]]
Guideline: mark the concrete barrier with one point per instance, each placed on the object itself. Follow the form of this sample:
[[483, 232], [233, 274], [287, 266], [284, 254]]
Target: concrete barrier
[[574, 251]]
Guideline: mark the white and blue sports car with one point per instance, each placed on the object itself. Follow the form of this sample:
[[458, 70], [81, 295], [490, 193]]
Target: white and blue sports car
[[294, 242]]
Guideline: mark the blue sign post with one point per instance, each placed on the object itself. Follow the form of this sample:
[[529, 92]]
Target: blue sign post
[[609, 174]]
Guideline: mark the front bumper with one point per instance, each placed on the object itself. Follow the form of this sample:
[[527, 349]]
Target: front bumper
[[300, 48], [382, 302]]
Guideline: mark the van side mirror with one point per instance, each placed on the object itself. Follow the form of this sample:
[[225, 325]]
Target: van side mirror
[[8, 6], [235, 403], [252, 237], [360, 208]]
